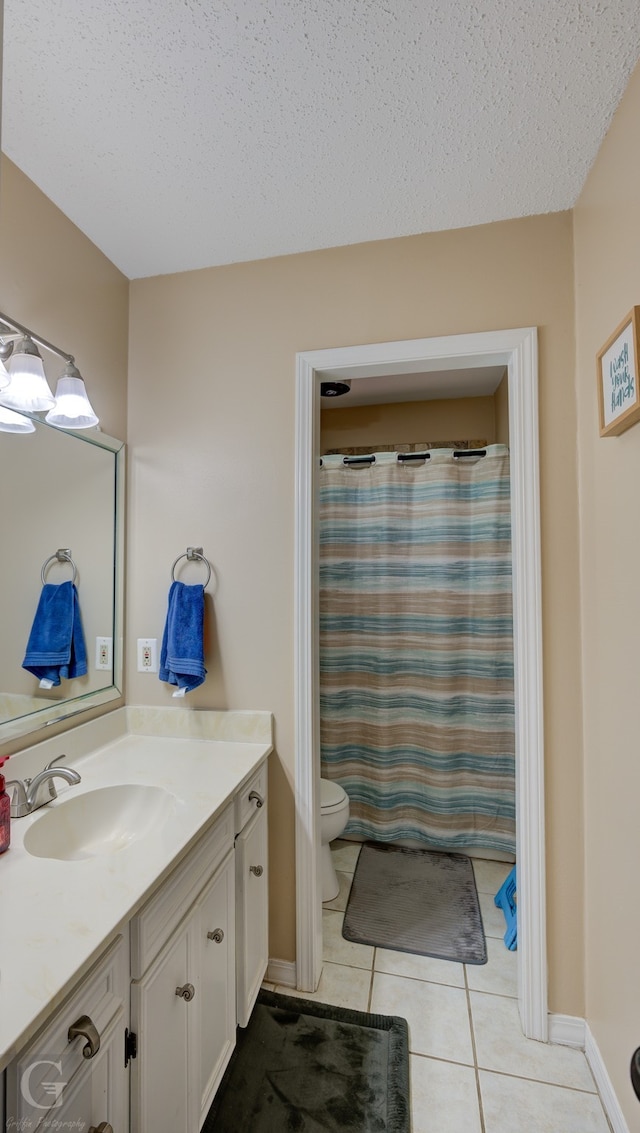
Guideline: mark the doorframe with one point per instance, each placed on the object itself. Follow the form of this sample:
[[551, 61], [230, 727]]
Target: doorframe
[[517, 350]]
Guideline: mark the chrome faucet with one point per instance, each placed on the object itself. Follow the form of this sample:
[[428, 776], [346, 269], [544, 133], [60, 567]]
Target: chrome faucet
[[30, 794]]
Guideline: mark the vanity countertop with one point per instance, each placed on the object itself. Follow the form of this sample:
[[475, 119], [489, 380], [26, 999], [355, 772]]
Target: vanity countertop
[[57, 916]]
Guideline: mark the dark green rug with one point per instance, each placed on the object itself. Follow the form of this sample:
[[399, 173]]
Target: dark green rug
[[306, 1067]]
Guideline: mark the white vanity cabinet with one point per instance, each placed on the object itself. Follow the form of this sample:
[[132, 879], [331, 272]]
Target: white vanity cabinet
[[72, 1075], [183, 991], [165, 997]]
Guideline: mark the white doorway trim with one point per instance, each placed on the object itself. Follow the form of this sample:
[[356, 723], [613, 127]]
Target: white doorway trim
[[516, 349]]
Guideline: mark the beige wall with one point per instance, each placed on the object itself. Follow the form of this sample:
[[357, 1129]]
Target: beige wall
[[211, 426], [607, 274], [408, 422], [55, 281]]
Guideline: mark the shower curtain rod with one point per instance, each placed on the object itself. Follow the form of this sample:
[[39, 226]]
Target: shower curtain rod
[[404, 456]]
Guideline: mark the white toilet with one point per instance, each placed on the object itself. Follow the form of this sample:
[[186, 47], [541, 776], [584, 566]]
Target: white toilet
[[334, 815]]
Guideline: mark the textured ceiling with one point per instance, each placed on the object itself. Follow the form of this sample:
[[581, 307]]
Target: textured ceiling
[[184, 134]]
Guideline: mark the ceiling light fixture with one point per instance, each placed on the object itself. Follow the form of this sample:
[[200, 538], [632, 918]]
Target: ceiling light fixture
[[334, 389], [24, 387]]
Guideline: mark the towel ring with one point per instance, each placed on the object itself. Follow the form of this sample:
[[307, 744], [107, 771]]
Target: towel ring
[[63, 555], [193, 553]]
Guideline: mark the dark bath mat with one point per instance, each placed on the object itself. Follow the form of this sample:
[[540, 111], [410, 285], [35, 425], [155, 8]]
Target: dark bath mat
[[418, 901], [306, 1067]]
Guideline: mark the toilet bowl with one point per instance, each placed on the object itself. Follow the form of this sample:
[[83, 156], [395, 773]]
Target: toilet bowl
[[334, 815]]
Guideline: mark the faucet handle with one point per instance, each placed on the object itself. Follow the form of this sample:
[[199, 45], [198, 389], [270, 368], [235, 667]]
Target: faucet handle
[[58, 762], [18, 788]]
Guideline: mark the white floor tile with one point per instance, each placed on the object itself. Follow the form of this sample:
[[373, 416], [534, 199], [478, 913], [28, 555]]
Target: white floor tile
[[342, 986], [499, 975], [340, 902], [345, 855], [492, 917], [337, 950], [490, 875], [501, 1045], [419, 967], [444, 1097], [527, 1086], [535, 1107], [437, 1015]]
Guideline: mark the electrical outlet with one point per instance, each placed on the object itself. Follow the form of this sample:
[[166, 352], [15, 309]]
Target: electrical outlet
[[147, 655], [104, 653]]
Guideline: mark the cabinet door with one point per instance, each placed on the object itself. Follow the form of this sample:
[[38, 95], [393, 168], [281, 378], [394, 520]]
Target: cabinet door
[[164, 1074], [252, 912], [216, 1013]]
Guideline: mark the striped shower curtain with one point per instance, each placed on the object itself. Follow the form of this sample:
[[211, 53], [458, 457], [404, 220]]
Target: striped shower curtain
[[416, 649]]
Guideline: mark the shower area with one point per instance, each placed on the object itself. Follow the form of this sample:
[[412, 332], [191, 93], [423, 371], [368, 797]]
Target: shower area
[[416, 638]]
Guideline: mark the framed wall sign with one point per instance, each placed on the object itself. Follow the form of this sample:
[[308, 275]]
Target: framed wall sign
[[617, 367]]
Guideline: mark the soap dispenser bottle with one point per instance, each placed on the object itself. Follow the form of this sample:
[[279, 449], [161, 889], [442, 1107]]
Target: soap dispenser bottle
[[5, 817]]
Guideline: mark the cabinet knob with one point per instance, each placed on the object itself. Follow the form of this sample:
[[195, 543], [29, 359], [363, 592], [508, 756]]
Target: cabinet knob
[[103, 1127], [257, 869], [217, 935], [186, 992], [84, 1027], [259, 799]]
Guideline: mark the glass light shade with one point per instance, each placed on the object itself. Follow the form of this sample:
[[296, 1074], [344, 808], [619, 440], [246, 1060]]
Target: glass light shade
[[73, 408], [11, 422], [27, 387]]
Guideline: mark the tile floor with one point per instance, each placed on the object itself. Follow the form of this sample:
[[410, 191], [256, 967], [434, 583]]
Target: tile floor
[[472, 1070]]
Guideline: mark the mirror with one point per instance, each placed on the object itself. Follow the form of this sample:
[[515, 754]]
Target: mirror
[[59, 490]]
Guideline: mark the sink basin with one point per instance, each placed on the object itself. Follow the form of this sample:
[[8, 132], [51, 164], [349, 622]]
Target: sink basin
[[98, 822]]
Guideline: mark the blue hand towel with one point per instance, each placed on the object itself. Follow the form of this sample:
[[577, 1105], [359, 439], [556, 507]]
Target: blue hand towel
[[182, 653], [56, 648]]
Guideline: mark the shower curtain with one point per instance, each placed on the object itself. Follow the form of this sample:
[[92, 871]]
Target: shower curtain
[[416, 648]]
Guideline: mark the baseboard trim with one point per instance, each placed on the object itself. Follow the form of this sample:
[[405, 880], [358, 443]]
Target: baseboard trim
[[603, 1082], [282, 972], [567, 1030]]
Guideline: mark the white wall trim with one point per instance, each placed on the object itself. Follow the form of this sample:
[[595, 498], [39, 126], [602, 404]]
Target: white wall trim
[[281, 972], [307, 723], [516, 349], [604, 1084], [567, 1030]]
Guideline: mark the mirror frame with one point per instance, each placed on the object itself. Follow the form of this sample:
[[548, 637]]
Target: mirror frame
[[78, 705]]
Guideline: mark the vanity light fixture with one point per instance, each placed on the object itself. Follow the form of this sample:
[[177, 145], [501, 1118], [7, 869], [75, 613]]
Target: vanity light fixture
[[72, 409], [26, 389], [11, 422]]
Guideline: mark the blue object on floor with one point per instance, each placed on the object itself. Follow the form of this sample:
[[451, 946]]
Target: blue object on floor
[[505, 899]]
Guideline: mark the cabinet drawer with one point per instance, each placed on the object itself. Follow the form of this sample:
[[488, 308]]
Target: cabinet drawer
[[245, 806], [98, 1092], [50, 1061], [154, 924]]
